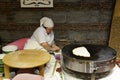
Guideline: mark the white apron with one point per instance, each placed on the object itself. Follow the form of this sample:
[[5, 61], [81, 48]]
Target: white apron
[[32, 44]]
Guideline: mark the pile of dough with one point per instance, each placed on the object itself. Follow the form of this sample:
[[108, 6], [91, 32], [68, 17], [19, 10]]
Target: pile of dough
[[81, 51]]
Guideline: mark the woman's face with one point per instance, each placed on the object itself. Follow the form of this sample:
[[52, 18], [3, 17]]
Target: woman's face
[[49, 30]]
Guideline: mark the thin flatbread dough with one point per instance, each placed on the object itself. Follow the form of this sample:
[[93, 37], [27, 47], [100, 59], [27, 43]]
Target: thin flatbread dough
[[81, 51]]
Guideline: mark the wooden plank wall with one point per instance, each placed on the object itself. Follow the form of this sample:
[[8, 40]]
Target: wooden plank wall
[[114, 40], [79, 21]]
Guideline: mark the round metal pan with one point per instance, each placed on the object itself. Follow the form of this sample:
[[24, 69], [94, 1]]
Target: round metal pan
[[102, 59], [97, 52]]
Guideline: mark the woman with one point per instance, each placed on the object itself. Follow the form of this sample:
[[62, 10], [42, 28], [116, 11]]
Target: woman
[[43, 37]]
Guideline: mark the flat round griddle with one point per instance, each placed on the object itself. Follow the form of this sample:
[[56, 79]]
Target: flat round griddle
[[97, 52]]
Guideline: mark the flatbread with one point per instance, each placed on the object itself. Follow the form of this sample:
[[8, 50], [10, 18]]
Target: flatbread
[[81, 51]]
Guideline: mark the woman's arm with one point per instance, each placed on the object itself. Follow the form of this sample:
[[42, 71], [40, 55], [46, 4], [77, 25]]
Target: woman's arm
[[48, 47]]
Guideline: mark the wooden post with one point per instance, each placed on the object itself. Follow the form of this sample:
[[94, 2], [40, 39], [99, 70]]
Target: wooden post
[[114, 40], [6, 71], [117, 9], [41, 70]]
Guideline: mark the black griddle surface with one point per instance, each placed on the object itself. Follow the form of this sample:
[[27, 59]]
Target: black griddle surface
[[97, 52]]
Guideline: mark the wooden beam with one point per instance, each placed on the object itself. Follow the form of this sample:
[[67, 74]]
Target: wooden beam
[[114, 40], [117, 9]]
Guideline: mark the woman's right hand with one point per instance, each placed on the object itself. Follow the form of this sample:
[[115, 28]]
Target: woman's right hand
[[55, 48]]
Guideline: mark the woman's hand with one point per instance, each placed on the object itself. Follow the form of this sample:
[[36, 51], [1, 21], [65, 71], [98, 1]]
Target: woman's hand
[[48, 47], [55, 48]]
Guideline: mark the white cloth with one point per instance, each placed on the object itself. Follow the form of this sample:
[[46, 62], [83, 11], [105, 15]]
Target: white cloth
[[39, 36], [32, 44], [2, 55], [49, 69], [47, 22], [114, 75]]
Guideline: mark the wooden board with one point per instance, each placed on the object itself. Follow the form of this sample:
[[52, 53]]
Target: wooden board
[[114, 41]]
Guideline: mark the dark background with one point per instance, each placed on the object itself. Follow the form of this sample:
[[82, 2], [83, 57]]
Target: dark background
[[81, 21]]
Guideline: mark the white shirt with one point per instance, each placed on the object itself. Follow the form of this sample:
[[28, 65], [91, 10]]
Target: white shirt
[[40, 35]]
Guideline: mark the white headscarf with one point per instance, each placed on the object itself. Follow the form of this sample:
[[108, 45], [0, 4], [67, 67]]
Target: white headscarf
[[47, 22]]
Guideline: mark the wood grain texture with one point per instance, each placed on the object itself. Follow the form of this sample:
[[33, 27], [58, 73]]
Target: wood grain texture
[[26, 58], [114, 40]]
